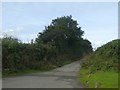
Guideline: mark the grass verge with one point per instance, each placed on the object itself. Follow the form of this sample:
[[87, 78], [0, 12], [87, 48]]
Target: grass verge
[[48, 67], [17, 73], [101, 79]]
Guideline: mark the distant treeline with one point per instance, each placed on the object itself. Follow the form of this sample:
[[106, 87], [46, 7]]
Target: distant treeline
[[60, 42]]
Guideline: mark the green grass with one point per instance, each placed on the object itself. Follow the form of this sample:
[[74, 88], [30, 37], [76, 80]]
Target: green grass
[[15, 73], [8, 72], [48, 67], [65, 62], [108, 79]]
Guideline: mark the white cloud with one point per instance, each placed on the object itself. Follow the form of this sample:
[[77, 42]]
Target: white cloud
[[19, 29], [98, 43], [14, 32], [11, 30]]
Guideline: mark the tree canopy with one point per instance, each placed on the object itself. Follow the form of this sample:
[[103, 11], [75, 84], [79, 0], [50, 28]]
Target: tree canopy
[[65, 34]]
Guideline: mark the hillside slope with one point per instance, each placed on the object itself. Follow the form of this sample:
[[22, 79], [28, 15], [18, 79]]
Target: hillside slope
[[100, 69], [104, 58]]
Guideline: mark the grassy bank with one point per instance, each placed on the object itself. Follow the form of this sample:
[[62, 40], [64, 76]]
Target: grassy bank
[[48, 67], [100, 68], [100, 79], [15, 73]]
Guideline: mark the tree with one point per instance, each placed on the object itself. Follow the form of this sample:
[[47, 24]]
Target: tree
[[65, 34]]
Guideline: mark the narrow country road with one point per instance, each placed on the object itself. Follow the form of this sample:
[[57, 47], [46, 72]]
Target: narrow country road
[[63, 77]]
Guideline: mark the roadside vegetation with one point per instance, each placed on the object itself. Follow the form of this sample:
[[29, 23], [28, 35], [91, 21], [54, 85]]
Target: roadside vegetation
[[60, 43], [100, 69]]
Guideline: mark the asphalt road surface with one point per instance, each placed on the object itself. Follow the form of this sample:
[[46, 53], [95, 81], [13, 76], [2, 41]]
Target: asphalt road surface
[[63, 77]]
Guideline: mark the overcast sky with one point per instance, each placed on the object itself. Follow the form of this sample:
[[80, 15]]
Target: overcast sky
[[25, 20]]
